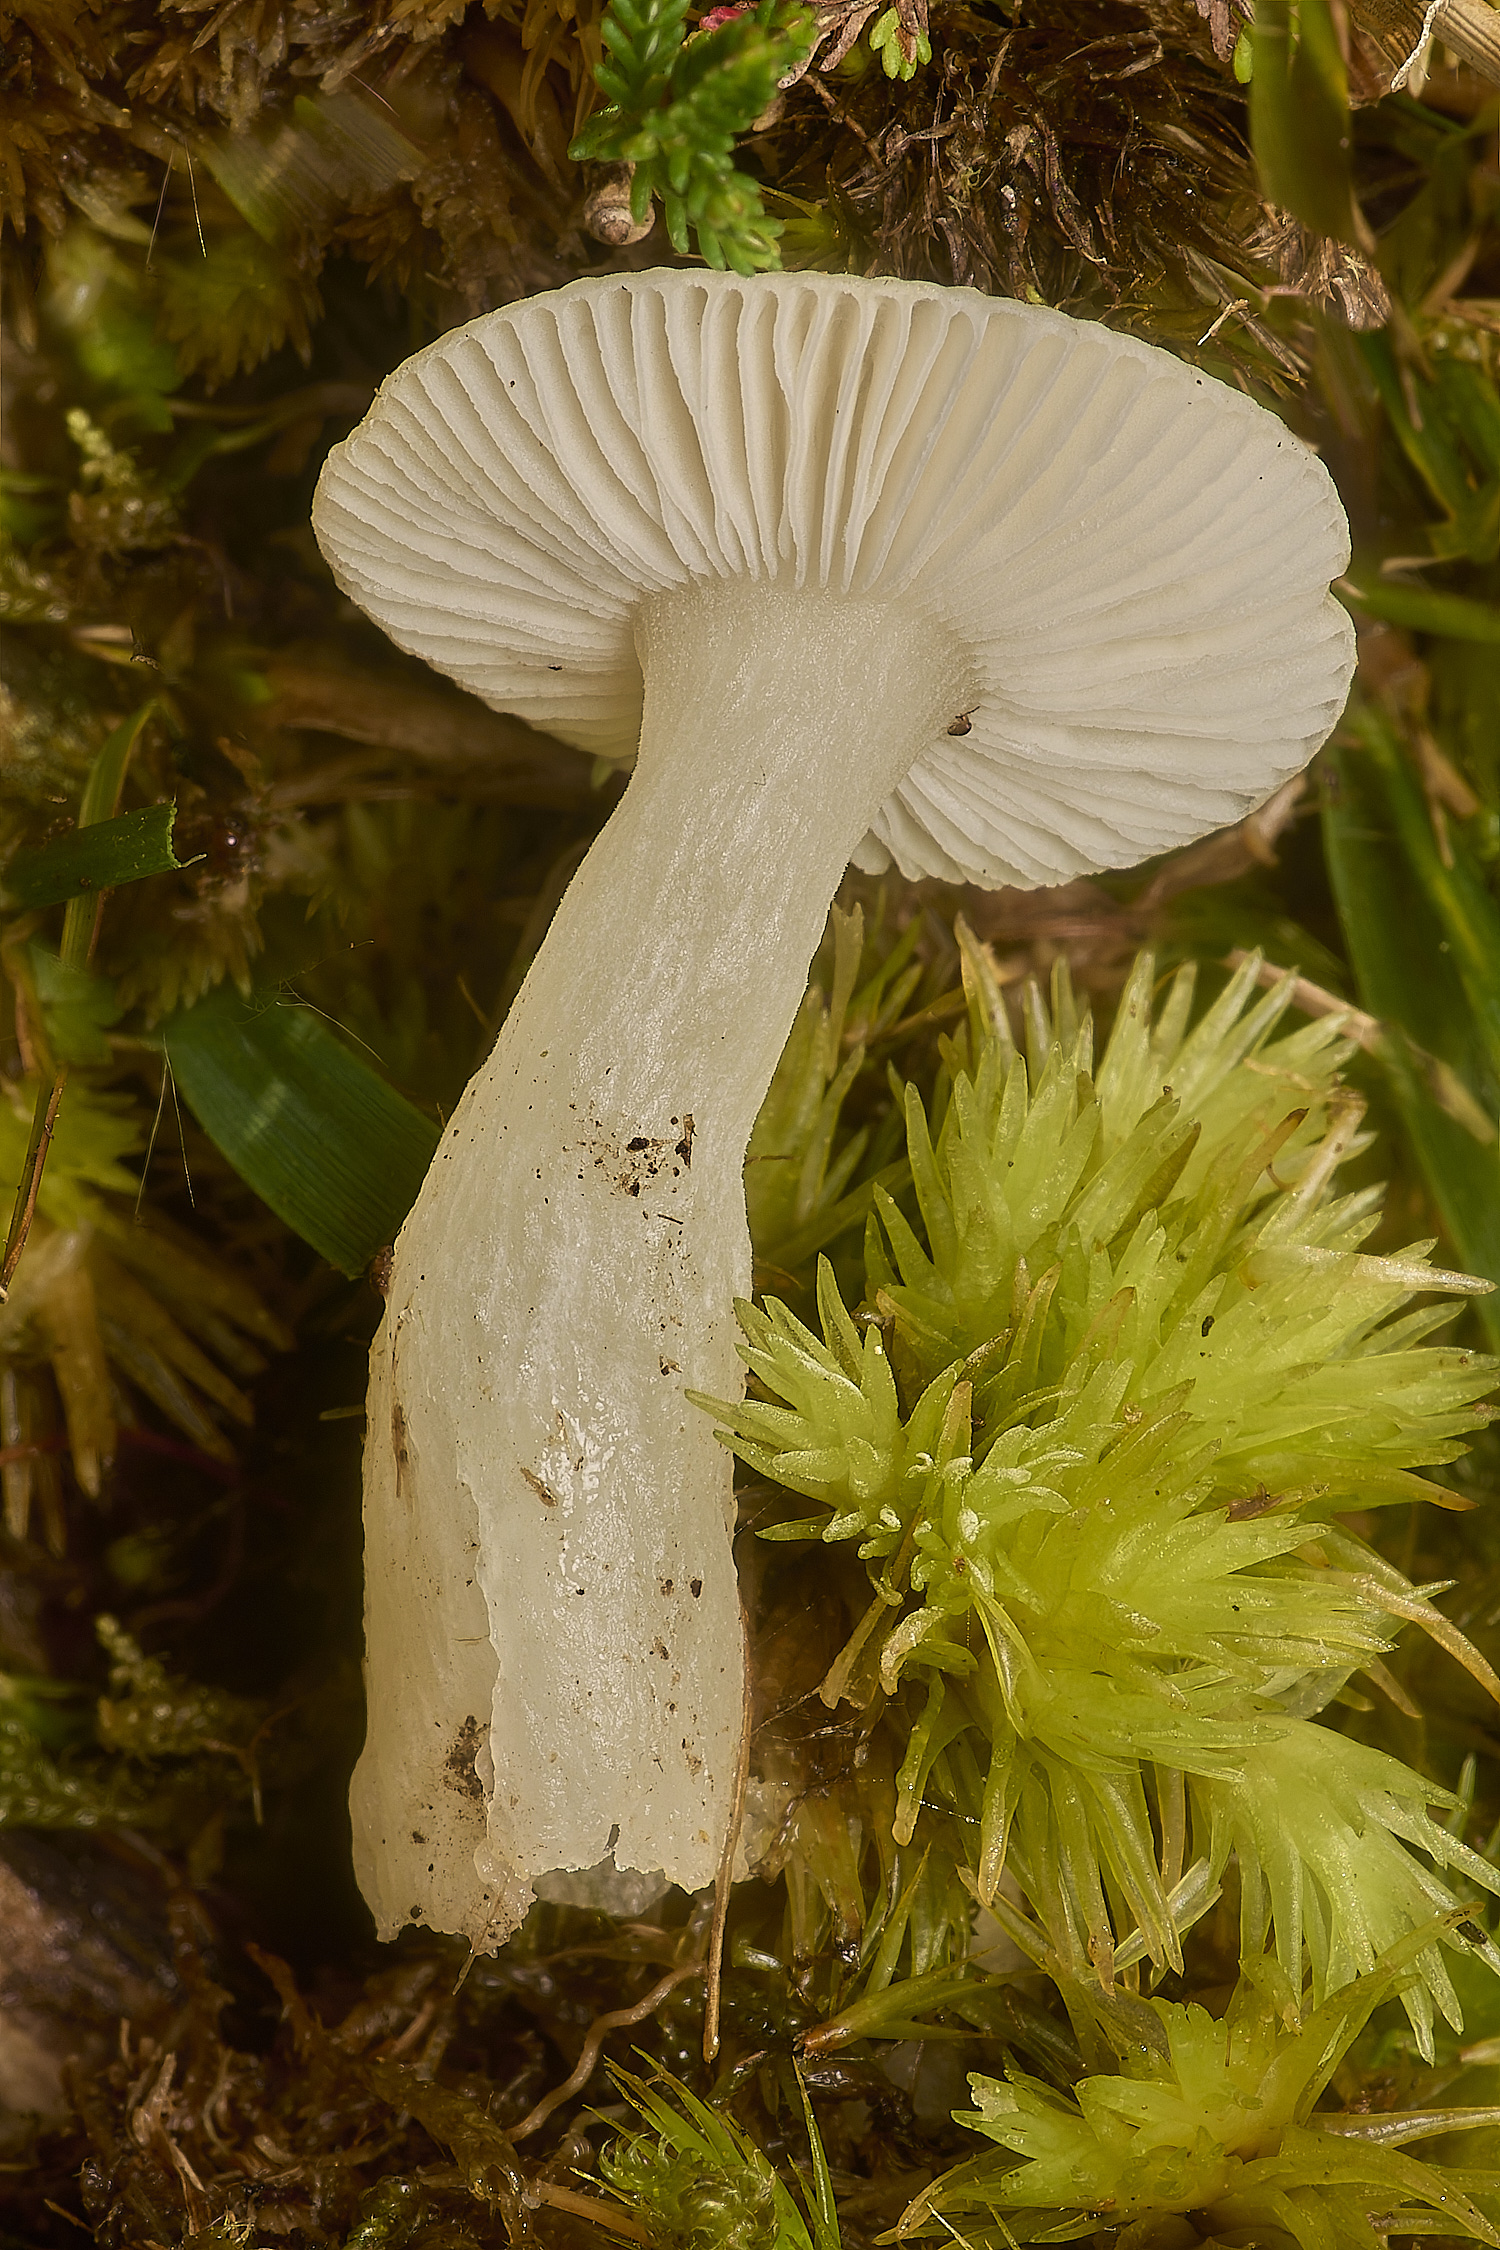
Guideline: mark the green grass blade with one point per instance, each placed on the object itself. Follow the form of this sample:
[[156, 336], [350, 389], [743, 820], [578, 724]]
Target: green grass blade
[[1425, 610], [100, 797], [107, 774], [314, 1130], [1299, 115], [825, 2215], [100, 858], [1432, 971], [1453, 887]]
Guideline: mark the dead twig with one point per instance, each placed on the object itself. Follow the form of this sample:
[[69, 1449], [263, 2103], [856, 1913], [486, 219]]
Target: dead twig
[[617, 2019], [591, 2207]]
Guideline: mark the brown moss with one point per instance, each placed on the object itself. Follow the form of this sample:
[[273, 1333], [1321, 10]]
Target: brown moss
[[1094, 158]]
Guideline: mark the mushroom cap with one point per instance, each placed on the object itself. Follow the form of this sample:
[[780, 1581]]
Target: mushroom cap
[[1136, 557]]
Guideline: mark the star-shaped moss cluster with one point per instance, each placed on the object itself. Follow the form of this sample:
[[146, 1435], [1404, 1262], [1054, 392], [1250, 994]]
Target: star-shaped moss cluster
[[1118, 1373], [1210, 2131]]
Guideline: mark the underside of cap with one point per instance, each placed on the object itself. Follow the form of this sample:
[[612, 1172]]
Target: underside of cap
[[1137, 557]]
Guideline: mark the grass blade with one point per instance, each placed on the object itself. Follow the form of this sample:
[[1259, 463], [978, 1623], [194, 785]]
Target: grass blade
[[334, 1150], [1432, 971], [1422, 609], [94, 859]]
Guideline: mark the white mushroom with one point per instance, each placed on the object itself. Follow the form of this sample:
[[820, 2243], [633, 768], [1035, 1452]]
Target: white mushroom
[[849, 568]]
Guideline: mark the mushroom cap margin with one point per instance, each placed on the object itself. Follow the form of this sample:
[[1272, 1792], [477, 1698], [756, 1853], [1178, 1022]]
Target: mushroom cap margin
[[1136, 557]]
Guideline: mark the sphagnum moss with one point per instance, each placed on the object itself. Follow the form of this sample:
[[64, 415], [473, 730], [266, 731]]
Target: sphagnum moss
[[699, 2182], [1095, 1430], [1210, 2130]]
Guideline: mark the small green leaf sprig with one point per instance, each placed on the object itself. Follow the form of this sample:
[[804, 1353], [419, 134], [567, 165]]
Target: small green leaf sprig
[[1092, 1433], [1213, 2117], [900, 45], [700, 2182], [676, 108]]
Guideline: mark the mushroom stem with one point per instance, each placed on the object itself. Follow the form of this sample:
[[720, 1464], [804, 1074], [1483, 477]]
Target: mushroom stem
[[571, 1685]]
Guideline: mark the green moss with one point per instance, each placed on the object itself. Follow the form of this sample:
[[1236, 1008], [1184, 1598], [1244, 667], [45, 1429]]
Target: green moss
[[676, 110], [1092, 1436], [184, 339], [1212, 2128]]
